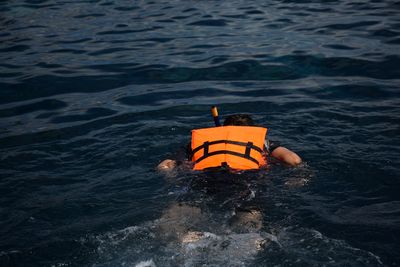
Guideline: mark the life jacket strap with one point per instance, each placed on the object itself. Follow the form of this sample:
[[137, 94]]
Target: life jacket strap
[[248, 150], [249, 146], [246, 144], [227, 152]]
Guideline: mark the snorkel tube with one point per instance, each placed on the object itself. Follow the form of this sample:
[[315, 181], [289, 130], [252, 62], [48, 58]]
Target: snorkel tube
[[214, 112]]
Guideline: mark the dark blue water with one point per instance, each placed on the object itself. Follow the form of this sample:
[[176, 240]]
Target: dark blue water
[[94, 94]]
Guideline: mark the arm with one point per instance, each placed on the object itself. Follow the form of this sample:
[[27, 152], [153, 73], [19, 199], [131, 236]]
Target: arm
[[285, 155]]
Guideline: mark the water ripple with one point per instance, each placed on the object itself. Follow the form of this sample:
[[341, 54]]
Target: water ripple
[[93, 94]]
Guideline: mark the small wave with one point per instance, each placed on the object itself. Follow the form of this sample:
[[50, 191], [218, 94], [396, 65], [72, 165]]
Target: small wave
[[312, 248], [209, 22], [148, 263], [347, 26]]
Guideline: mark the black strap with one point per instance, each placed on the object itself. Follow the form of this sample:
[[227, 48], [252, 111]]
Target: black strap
[[205, 146], [228, 142], [227, 152], [248, 150]]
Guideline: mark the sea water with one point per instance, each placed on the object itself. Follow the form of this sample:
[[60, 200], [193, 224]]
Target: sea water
[[94, 94]]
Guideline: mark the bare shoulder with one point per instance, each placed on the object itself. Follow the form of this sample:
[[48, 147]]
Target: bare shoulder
[[286, 155]]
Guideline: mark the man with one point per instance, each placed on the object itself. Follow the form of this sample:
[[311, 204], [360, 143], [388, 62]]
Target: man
[[226, 223]]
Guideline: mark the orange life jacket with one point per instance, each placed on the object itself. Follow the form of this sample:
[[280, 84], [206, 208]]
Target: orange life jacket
[[238, 147]]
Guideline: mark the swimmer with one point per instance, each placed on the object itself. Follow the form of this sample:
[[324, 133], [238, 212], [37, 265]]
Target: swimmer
[[237, 145], [246, 148]]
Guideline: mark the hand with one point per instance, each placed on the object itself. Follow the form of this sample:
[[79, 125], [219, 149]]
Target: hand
[[166, 165]]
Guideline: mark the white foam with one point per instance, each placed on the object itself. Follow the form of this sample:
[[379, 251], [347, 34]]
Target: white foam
[[149, 263]]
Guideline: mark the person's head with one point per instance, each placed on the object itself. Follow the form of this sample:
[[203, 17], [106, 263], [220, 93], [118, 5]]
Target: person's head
[[239, 120]]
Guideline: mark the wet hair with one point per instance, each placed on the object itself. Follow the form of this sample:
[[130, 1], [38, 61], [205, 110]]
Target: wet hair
[[239, 120]]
